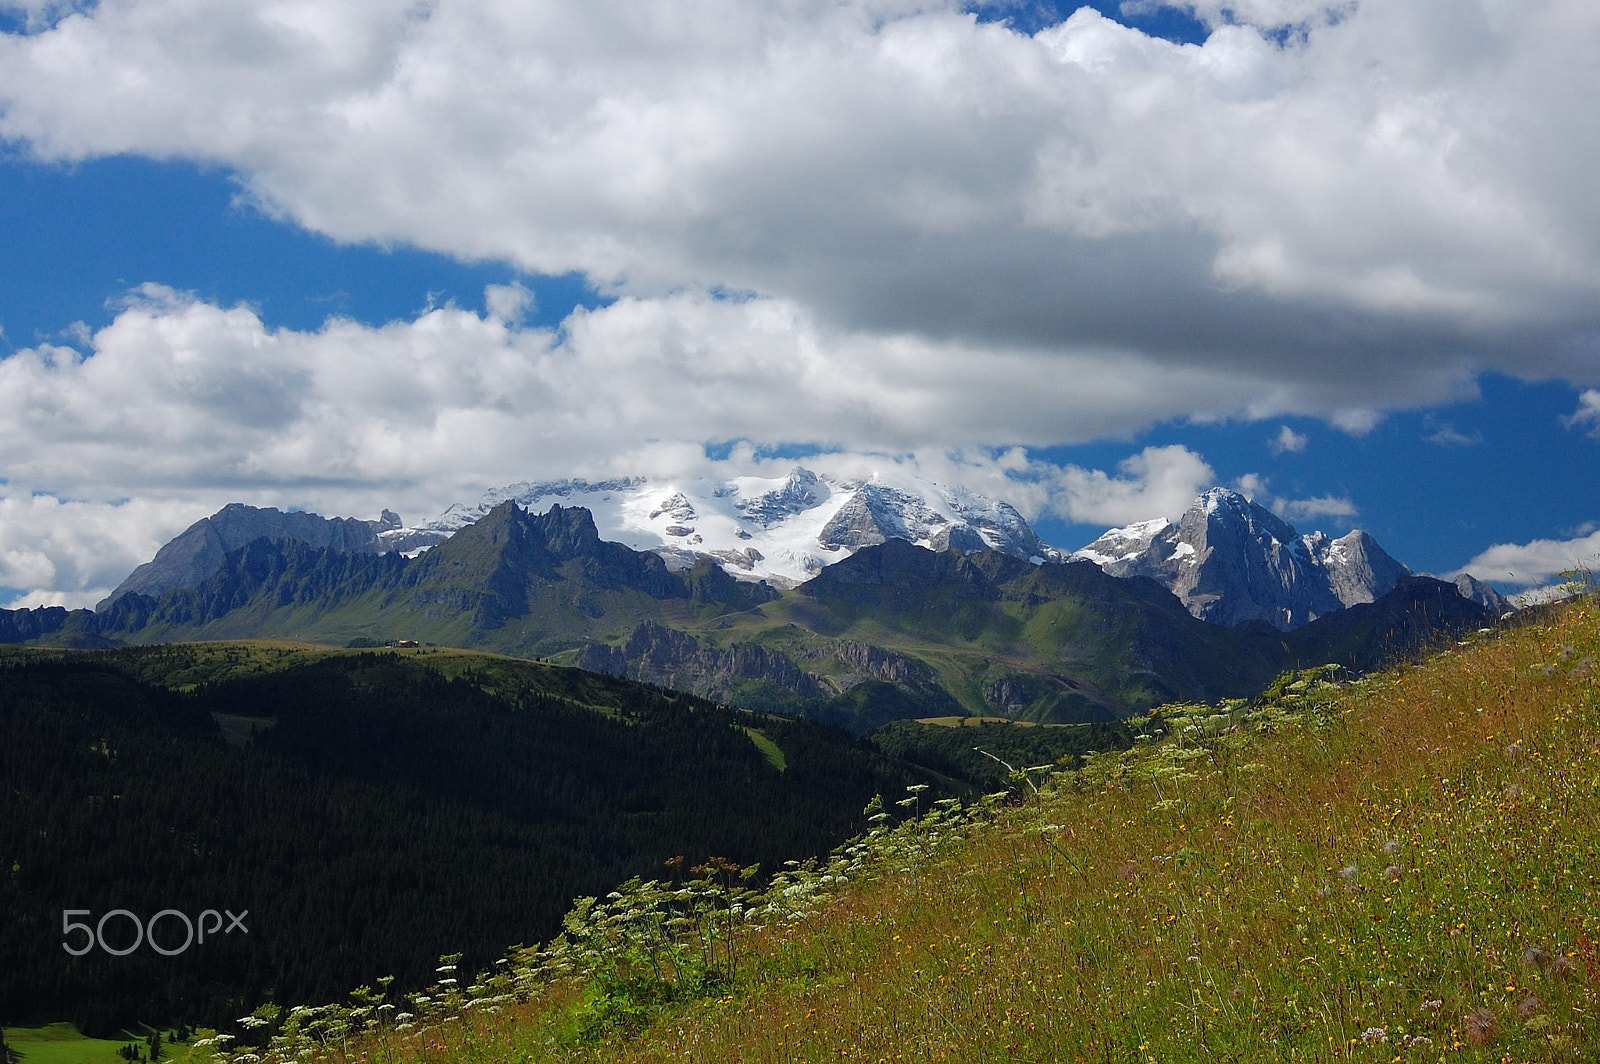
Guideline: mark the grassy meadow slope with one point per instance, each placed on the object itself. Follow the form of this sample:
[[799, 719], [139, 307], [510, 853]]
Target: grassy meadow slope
[[1403, 868]]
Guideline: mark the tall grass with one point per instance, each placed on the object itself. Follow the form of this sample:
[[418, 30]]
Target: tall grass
[[1401, 868]]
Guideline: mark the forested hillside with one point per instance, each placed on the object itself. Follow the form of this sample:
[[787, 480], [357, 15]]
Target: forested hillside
[[370, 811]]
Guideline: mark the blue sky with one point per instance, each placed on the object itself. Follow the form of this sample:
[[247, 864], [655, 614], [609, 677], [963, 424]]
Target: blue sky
[[1342, 258], [81, 235]]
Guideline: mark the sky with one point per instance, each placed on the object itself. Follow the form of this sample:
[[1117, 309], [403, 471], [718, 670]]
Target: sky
[[1342, 257]]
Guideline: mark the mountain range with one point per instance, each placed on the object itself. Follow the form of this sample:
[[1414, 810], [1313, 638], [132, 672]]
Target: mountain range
[[1230, 560], [891, 630], [1227, 558], [784, 530]]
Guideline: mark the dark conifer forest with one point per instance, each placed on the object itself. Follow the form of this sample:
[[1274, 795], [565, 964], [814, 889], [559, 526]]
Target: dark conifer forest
[[368, 812]]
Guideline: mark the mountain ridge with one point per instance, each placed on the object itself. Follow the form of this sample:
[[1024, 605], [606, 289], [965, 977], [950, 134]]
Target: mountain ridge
[[894, 629], [198, 551], [781, 529], [1227, 558], [1231, 560]]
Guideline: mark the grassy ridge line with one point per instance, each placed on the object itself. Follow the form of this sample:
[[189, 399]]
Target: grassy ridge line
[[186, 666], [1407, 869]]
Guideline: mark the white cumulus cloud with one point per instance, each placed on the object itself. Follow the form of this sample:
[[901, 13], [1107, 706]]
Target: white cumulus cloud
[[180, 406], [177, 393], [1374, 204], [1156, 482], [1317, 508], [1445, 434], [1287, 441], [950, 237], [1587, 416], [72, 553], [1536, 562], [1337, 508]]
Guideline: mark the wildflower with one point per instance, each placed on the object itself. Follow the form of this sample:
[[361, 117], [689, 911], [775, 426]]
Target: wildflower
[[1528, 1007], [1431, 1005], [1514, 750], [1481, 1026], [1514, 791], [1415, 1041], [1536, 957], [1374, 1036], [1349, 872], [1392, 872], [1324, 892], [1392, 847]]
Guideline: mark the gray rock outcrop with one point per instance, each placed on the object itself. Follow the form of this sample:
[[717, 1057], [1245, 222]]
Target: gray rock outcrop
[[198, 551], [1471, 588], [1230, 560]]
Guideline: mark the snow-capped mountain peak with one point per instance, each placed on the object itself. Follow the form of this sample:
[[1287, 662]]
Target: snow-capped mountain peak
[[800, 491], [784, 529], [1229, 560], [1123, 544]]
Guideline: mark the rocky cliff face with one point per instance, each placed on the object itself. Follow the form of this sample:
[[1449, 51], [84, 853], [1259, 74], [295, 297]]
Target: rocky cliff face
[[879, 664], [669, 658], [26, 626], [199, 551], [1472, 589], [1358, 569], [1229, 560]]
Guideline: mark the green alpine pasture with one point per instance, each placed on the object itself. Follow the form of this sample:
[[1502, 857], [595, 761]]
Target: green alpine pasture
[[61, 1043]]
